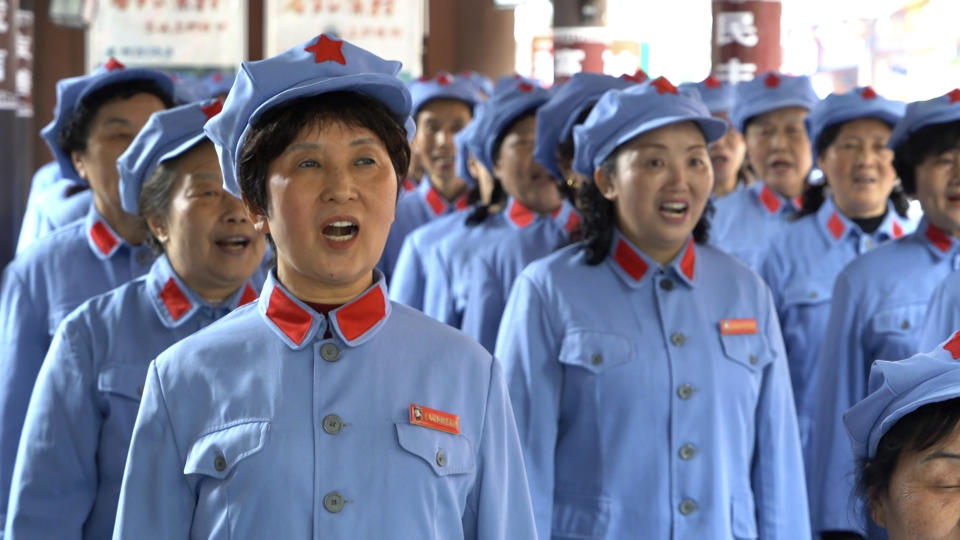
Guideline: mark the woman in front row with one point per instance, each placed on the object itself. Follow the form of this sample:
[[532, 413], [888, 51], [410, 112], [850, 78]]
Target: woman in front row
[[646, 369], [66, 481]]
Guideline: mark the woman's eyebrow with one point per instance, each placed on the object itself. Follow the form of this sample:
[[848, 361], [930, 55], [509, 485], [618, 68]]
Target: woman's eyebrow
[[363, 141], [940, 454]]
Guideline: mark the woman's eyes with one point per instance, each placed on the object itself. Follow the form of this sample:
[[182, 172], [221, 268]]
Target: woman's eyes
[[365, 161], [308, 164]]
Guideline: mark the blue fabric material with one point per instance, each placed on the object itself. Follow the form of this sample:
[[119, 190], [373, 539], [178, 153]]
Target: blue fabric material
[[52, 203], [205, 462], [66, 481], [509, 101], [862, 102], [768, 92], [630, 400], [717, 95], [443, 86], [921, 114], [943, 314], [409, 282], [875, 314]]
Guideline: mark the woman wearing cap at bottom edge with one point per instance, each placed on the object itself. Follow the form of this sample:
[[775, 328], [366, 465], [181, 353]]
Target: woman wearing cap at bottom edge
[[646, 369], [906, 437], [66, 480], [324, 409]]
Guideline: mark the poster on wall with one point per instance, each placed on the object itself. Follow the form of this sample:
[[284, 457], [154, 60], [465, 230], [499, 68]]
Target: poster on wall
[[169, 33], [392, 29]]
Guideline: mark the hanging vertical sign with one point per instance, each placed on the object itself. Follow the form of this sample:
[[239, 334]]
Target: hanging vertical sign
[[392, 29], [593, 49], [746, 38]]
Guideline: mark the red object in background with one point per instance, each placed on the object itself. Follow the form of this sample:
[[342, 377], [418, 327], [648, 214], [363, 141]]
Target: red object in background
[[746, 38]]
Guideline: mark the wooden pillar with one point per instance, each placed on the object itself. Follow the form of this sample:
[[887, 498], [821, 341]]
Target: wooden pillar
[[746, 38], [469, 35], [23, 86], [9, 168]]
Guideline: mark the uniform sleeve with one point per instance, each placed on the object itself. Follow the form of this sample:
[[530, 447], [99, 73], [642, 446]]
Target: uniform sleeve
[[155, 499], [501, 498], [943, 316], [485, 302], [55, 478], [528, 349], [840, 381], [778, 480], [24, 340], [407, 282]]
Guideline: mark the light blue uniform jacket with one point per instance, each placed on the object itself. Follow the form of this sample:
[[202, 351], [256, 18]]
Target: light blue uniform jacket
[[77, 430], [40, 288], [876, 313], [943, 315], [639, 415], [748, 220], [409, 282], [260, 427], [800, 269], [53, 202], [494, 267], [413, 210]]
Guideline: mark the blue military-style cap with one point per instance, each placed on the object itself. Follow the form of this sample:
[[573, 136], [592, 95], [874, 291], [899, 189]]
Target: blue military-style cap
[[716, 95], [769, 92], [467, 141], [479, 80], [509, 102], [166, 135], [861, 102], [443, 86], [921, 114], [621, 115], [217, 83], [896, 389], [71, 91], [318, 66], [555, 119]]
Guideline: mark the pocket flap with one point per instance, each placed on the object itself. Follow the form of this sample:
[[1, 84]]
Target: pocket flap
[[445, 453], [750, 350], [595, 351], [899, 319], [123, 379], [814, 291], [216, 453]]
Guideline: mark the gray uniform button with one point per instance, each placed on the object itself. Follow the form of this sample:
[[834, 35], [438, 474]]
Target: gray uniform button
[[688, 507], [596, 359], [219, 463], [329, 352], [441, 458], [813, 294], [140, 390], [753, 359], [332, 424], [666, 285], [687, 451], [333, 502], [684, 391], [678, 339], [905, 324], [143, 257]]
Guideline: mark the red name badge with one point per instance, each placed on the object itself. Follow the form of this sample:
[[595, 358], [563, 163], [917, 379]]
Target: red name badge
[[738, 327], [434, 419]]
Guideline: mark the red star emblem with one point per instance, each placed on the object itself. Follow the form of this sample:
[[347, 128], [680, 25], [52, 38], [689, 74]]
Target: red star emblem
[[954, 95], [443, 80], [712, 82], [868, 93], [772, 80], [525, 87], [326, 49], [113, 64], [218, 77], [664, 86], [212, 109], [953, 346], [638, 76]]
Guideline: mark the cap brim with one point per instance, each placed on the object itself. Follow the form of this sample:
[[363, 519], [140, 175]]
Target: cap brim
[[712, 128]]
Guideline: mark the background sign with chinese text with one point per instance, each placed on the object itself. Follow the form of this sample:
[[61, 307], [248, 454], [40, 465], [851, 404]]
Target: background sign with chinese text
[[746, 38], [392, 29]]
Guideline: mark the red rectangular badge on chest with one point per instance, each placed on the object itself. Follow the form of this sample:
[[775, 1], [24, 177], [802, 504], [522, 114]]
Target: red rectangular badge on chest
[[737, 327], [434, 419]]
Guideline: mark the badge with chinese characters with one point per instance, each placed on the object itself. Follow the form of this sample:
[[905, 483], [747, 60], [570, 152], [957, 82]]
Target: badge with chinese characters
[[738, 327], [434, 419]]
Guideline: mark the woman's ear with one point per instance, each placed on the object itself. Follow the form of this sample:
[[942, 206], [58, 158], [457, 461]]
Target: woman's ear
[[605, 184], [76, 159], [158, 226], [257, 216]]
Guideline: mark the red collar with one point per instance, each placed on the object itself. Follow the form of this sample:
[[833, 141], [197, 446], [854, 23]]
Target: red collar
[[634, 264], [408, 185], [565, 215], [439, 205], [938, 239], [773, 203], [174, 302], [102, 238]]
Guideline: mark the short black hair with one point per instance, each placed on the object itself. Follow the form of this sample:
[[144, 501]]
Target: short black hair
[[272, 133], [927, 141], [73, 137]]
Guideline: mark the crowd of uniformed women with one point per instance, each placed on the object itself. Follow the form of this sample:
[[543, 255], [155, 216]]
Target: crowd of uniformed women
[[334, 304]]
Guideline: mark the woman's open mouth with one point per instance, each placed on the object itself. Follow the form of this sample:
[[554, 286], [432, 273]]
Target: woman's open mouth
[[340, 231]]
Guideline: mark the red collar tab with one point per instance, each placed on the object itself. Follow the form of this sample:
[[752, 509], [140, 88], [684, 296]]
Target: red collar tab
[[836, 226], [461, 202], [294, 321], [520, 215], [772, 80], [438, 205], [688, 263], [572, 226], [175, 300], [103, 238], [941, 240], [249, 295], [113, 64], [770, 200], [868, 93], [408, 184], [212, 109], [629, 260], [954, 95], [327, 50], [895, 229], [798, 202], [664, 86], [953, 346], [357, 318], [712, 82]]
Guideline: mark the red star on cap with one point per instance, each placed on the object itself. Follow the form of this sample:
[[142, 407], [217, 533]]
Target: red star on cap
[[113, 64], [868, 93], [326, 49], [954, 95], [663, 86], [772, 80], [212, 109], [217, 77], [638, 76], [443, 80], [712, 82], [525, 87]]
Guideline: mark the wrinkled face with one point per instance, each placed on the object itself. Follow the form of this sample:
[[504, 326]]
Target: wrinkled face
[[206, 235], [938, 189], [923, 500], [726, 157], [522, 177], [660, 187], [331, 197], [112, 129], [437, 122], [859, 167], [779, 149]]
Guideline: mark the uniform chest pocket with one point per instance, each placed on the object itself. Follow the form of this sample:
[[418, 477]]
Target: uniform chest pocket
[[899, 319], [596, 352], [217, 453], [123, 380], [747, 350], [444, 453], [801, 294]]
